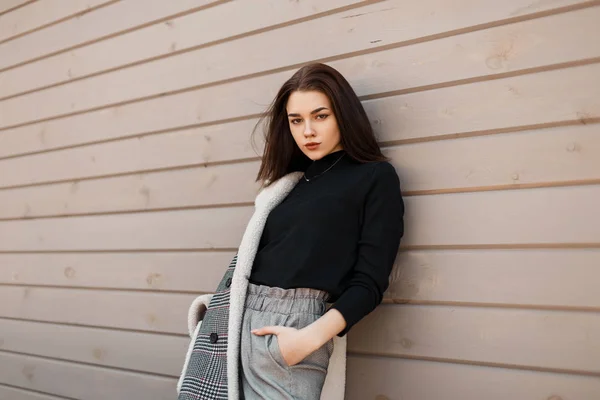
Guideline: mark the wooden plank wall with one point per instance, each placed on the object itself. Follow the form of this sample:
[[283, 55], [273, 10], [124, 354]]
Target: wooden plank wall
[[126, 180]]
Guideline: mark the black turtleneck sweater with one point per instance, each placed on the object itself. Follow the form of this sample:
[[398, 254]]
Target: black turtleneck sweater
[[339, 232]]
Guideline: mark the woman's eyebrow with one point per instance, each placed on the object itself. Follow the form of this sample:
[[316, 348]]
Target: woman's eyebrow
[[316, 110]]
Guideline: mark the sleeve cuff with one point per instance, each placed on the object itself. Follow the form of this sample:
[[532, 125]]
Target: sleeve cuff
[[196, 311], [353, 304]]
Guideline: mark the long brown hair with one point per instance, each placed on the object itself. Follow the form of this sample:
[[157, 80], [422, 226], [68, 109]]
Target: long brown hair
[[282, 155]]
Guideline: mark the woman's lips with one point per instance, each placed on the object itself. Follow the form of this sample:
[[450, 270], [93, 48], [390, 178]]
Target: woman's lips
[[312, 146]]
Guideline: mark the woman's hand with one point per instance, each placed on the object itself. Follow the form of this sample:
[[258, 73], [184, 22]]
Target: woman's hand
[[294, 344]]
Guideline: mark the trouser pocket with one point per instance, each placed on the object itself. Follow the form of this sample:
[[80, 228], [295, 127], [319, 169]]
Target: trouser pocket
[[318, 359]]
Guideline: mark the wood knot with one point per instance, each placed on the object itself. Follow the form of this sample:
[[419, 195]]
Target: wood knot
[[69, 272], [151, 319], [99, 353], [572, 147], [28, 371], [406, 343], [584, 117], [145, 191], [153, 279]]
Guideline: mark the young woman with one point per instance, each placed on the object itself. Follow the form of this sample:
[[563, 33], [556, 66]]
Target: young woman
[[314, 260]]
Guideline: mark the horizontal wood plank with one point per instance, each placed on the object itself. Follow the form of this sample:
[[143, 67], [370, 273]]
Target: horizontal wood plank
[[382, 378], [391, 379], [337, 34], [8, 5], [512, 47], [524, 338], [501, 277], [159, 40], [546, 156], [82, 381], [41, 13], [405, 67], [110, 20], [535, 99], [104, 347], [507, 218], [189, 229], [12, 393], [193, 272], [223, 185], [514, 159], [227, 142], [442, 276], [151, 312], [530, 338], [538, 216]]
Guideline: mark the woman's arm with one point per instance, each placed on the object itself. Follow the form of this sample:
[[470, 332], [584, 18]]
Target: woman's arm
[[378, 244], [325, 328]]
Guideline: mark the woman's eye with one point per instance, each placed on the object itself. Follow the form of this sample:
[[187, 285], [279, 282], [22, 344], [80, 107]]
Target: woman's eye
[[295, 121], [323, 116]]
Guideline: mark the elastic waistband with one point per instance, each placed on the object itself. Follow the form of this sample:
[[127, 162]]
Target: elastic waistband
[[294, 293], [295, 300]]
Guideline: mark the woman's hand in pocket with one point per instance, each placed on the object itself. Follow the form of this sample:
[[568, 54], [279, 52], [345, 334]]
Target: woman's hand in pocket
[[294, 344]]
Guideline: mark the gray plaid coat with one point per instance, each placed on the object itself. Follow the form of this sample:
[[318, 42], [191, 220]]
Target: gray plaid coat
[[211, 367]]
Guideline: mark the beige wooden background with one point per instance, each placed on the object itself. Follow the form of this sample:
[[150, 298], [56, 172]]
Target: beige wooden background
[[126, 180]]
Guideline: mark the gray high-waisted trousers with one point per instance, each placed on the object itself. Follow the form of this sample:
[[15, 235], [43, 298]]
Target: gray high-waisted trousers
[[264, 373]]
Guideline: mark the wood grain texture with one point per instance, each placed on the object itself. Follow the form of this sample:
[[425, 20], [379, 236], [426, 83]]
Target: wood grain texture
[[382, 378], [188, 229], [556, 340], [460, 219], [556, 278], [537, 216], [538, 157], [13, 393], [226, 143], [192, 272], [137, 351], [149, 312], [226, 184], [541, 98], [110, 20], [147, 203], [484, 277], [41, 13], [8, 5], [162, 39], [84, 381], [337, 35], [531, 338], [454, 58]]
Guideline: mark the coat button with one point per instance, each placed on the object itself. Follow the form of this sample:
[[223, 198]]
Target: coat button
[[228, 282], [214, 337]]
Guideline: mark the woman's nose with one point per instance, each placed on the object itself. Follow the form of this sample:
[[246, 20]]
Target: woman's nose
[[308, 130]]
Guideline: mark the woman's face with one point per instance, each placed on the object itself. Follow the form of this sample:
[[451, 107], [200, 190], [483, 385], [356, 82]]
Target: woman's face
[[313, 123]]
